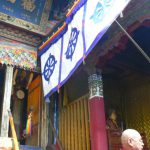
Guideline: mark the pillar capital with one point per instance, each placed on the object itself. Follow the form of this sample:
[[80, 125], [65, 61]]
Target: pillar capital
[[95, 85]]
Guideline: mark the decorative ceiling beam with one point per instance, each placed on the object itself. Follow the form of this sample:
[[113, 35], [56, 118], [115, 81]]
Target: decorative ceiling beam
[[20, 35]]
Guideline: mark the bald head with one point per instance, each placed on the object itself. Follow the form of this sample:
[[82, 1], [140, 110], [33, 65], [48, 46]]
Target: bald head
[[129, 133], [131, 140]]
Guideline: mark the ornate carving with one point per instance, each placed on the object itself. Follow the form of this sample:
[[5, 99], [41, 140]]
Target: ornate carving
[[29, 5], [12, 1], [19, 35], [95, 85], [15, 56], [21, 23]]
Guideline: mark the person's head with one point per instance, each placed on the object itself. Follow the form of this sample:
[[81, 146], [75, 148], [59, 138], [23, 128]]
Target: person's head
[[131, 140], [112, 114]]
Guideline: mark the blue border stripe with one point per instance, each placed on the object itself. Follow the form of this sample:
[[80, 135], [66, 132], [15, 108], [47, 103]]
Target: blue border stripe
[[83, 31], [98, 37], [60, 66]]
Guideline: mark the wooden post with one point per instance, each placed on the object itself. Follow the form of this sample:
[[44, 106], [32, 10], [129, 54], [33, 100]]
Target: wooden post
[[13, 131], [6, 101], [97, 114]]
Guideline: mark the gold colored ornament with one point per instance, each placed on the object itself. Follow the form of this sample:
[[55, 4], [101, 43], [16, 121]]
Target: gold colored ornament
[[28, 5], [20, 94]]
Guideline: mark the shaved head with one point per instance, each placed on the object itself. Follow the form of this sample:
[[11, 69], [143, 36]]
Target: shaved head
[[129, 133], [131, 140]]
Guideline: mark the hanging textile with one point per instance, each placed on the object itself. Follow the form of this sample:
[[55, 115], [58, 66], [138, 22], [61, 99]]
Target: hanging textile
[[56, 116], [85, 25], [29, 124]]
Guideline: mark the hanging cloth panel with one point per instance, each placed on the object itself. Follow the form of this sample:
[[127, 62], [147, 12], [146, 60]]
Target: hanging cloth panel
[[82, 32]]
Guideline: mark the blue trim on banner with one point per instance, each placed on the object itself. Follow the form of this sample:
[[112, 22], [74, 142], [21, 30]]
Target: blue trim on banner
[[60, 66], [53, 41], [83, 33], [68, 20], [69, 75], [70, 17], [52, 91], [98, 37], [73, 70]]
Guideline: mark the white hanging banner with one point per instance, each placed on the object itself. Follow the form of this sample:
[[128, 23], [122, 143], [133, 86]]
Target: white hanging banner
[[50, 68], [87, 26], [72, 46]]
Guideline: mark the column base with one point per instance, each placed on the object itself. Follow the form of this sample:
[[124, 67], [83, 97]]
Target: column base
[[6, 143]]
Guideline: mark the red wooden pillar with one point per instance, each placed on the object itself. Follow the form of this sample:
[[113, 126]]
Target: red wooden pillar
[[97, 114]]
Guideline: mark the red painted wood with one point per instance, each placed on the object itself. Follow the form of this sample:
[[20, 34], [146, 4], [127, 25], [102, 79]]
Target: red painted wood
[[97, 124]]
